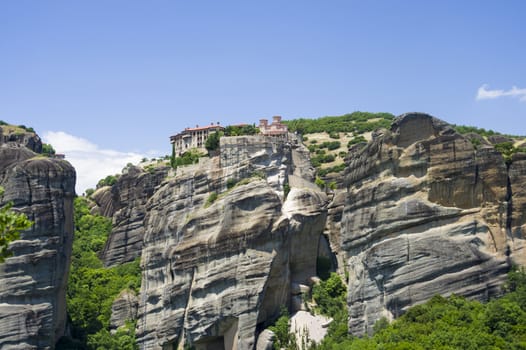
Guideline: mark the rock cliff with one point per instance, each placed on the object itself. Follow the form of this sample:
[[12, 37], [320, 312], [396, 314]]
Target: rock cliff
[[217, 270], [125, 202], [33, 281], [426, 212], [423, 210]]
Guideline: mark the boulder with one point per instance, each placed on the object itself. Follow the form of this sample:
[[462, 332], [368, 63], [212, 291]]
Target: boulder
[[124, 308]]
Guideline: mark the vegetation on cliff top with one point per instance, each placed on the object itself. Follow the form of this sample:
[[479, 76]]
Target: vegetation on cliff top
[[16, 129], [356, 122], [330, 137], [463, 129]]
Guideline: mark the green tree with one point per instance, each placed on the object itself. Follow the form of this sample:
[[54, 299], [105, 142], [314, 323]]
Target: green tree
[[281, 328], [320, 183], [92, 288], [441, 323], [11, 224], [212, 142], [330, 295], [47, 149], [109, 180], [507, 149], [358, 122], [123, 339]]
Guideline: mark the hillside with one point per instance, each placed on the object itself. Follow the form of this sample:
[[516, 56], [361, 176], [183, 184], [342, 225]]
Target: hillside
[[330, 138], [359, 217]]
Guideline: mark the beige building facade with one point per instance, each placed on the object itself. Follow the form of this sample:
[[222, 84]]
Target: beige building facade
[[193, 138]]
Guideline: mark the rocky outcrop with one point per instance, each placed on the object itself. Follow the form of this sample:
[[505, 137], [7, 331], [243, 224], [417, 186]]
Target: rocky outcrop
[[426, 213], [125, 202], [308, 328], [217, 271], [33, 281], [123, 309], [516, 209], [422, 210], [17, 136], [266, 340]]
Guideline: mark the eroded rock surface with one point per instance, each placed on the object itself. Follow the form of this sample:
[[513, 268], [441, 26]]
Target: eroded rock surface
[[217, 271], [33, 281], [123, 309], [125, 202], [422, 211], [426, 213]]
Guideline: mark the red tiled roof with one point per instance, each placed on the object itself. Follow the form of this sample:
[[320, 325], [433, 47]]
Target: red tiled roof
[[199, 128], [206, 127]]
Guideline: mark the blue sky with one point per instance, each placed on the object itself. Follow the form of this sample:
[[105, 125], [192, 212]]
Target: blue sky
[[122, 76]]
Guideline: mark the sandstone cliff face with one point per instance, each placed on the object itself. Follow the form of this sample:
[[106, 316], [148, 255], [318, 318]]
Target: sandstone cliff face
[[15, 136], [215, 274], [426, 213], [125, 203], [516, 210], [422, 212], [33, 281]]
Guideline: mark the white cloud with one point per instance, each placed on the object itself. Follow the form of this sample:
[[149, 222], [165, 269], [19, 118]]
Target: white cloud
[[91, 162], [483, 93]]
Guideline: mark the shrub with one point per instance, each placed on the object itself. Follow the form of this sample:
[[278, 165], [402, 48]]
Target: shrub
[[463, 129], [211, 199], [259, 174], [356, 121], [312, 148], [333, 145], [320, 183], [47, 149], [281, 328], [318, 159], [330, 295], [230, 183], [235, 130], [334, 135], [190, 157], [507, 149], [11, 224], [123, 339], [212, 142], [334, 169], [109, 180], [286, 190], [357, 139], [475, 142]]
